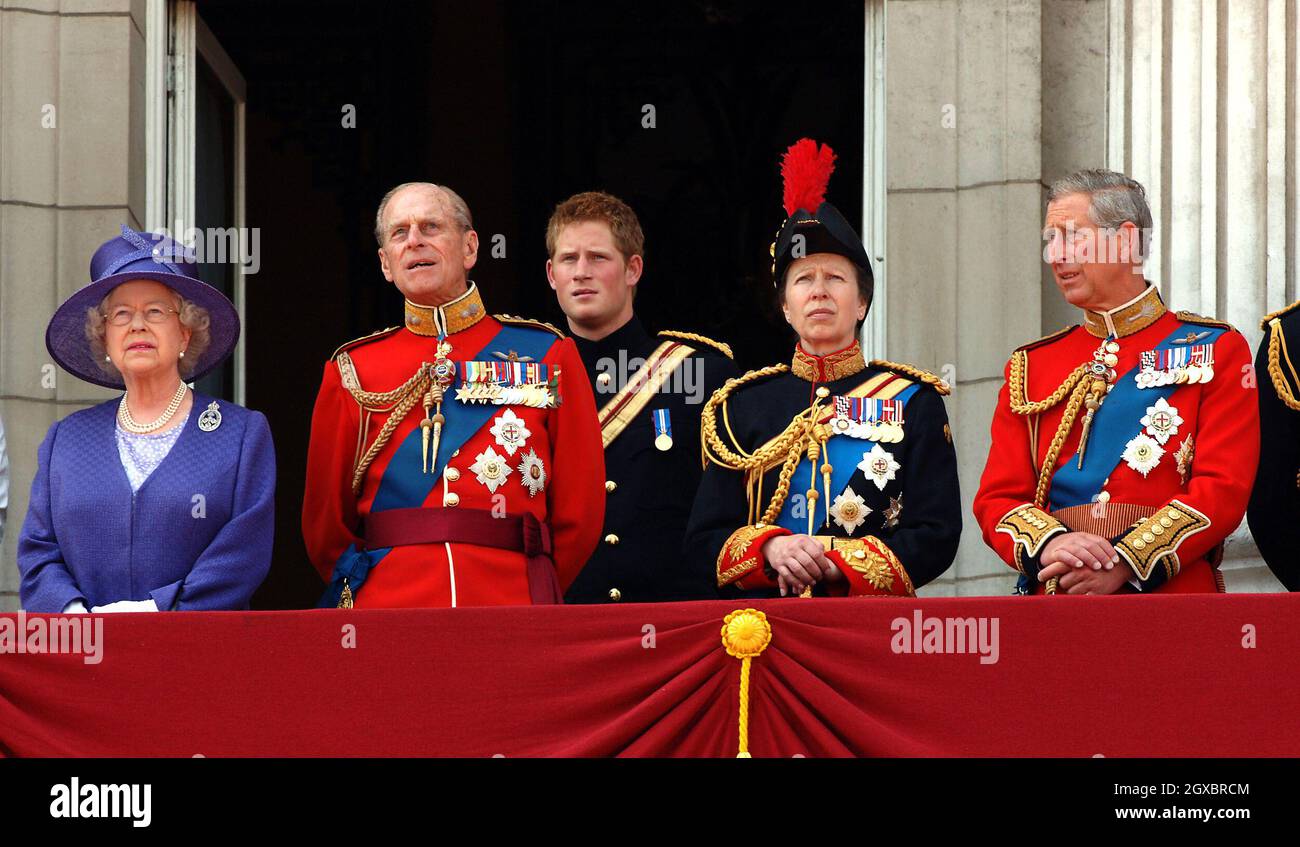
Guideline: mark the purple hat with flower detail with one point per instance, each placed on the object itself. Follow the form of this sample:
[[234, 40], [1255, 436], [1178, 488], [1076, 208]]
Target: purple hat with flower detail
[[131, 256]]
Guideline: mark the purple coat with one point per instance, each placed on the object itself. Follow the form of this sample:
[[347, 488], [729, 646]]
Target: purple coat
[[197, 535]]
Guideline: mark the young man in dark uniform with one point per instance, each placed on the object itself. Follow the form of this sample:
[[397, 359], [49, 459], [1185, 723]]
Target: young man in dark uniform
[[649, 392], [1275, 501]]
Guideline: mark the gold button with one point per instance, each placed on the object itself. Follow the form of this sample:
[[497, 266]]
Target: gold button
[[1175, 515], [452, 499], [455, 453], [1148, 538], [610, 485], [452, 474], [615, 594], [603, 379], [859, 554], [823, 392], [1157, 529], [1138, 544], [1166, 523], [611, 539], [1103, 497]]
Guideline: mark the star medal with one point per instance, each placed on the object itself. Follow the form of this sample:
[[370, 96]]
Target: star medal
[[849, 510], [491, 469], [879, 465], [532, 473], [894, 512], [510, 432], [1142, 453], [1184, 459], [1162, 421]]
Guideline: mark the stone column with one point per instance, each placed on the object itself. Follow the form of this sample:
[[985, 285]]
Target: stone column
[[964, 197], [1202, 111], [72, 83]]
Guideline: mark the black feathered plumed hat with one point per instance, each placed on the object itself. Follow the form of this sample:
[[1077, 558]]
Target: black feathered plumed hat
[[813, 225]]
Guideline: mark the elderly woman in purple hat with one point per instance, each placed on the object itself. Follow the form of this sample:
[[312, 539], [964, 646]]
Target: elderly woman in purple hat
[[164, 498]]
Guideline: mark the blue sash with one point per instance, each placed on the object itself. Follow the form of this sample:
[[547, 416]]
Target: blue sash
[[1112, 428], [844, 453], [404, 483]]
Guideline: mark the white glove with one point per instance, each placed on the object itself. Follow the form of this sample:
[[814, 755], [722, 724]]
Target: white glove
[[76, 607], [126, 606]]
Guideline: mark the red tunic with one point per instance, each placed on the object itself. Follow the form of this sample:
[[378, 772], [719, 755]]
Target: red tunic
[[566, 440], [1168, 524]]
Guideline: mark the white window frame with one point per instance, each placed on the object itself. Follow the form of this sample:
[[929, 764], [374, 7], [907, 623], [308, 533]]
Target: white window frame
[[176, 36], [875, 336]]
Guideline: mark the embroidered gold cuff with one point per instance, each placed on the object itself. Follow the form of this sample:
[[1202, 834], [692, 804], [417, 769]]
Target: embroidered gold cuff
[[740, 555], [873, 559], [1029, 528], [1157, 538]]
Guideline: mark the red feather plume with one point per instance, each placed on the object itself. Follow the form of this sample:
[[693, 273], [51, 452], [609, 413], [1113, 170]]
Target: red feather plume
[[806, 170]]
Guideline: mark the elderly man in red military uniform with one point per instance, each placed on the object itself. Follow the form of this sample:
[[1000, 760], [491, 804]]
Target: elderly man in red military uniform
[[455, 460], [1123, 449]]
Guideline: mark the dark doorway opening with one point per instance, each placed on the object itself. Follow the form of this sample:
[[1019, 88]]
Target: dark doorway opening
[[517, 105]]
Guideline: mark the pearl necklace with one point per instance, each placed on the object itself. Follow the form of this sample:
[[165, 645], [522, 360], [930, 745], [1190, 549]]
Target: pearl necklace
[[129, 424]]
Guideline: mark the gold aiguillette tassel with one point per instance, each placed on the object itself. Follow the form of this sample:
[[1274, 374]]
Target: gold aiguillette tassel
[[345, 599], [1093, 402], [425, 426], [438, 421]]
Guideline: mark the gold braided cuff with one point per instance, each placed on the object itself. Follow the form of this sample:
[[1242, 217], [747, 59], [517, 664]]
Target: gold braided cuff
[[1156, 539], [741, 556], [1029, 528], [870, 567]]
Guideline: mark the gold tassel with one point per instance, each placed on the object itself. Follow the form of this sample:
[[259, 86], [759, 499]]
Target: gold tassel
[[745, 634], [345, 598]]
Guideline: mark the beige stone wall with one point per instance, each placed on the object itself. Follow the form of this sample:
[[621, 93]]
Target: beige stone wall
[[964, 206], [62, 188]]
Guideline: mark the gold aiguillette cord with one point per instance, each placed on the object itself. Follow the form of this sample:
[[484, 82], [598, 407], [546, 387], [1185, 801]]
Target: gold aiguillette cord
[[443, 372]]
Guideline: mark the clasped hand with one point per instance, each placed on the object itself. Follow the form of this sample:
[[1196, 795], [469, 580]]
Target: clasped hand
[[799, 562]]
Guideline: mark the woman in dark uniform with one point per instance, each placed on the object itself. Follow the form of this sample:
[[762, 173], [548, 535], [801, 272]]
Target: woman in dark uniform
[[830, 475]]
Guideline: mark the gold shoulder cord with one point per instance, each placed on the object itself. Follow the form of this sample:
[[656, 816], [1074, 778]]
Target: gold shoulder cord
[[397, 403], [1276, 340], [940, 384], [802, 435], [724, 349], [1075, 386]]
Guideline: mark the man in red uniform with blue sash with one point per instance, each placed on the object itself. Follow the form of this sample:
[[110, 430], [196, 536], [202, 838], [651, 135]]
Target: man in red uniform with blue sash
[[1124, 448], [456, 460]]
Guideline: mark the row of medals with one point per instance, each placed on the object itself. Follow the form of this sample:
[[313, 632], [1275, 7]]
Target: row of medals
[[1187, 375], [883, 432]]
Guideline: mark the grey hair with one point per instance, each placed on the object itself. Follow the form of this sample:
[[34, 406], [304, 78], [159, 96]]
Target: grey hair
[[1112, 199], [192, 316], [459, 209]]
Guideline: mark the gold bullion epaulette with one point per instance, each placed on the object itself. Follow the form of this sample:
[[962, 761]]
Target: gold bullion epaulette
[[724, 349], [939, 384], [1275, 339], [374, 336], [515, 320], [1202, 320], [1286, 310], [1048, 339]]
